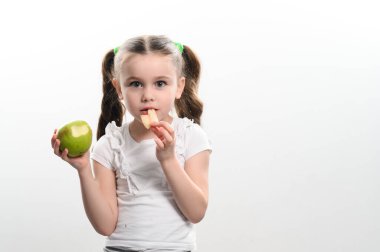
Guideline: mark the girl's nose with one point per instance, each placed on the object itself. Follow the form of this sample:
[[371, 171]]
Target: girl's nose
[[147, 95]]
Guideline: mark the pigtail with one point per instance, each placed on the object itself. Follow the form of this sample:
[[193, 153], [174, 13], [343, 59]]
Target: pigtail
[[190, 105], [111, 108]]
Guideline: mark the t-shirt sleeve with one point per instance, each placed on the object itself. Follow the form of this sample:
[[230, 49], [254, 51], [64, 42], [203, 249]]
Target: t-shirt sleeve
[[197, 141], [102, 152]]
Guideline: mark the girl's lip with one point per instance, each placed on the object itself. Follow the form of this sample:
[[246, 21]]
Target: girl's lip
[[147, 108], [145, 111]]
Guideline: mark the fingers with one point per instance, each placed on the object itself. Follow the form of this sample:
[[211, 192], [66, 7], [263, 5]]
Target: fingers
[[160, 144], [53, 138], [56, 147], [64, 155], [165, 125], [167, 137], [55, 143], [158, 133], [164, 134]]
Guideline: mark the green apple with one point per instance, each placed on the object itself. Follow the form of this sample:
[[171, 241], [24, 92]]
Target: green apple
[[76, 136]]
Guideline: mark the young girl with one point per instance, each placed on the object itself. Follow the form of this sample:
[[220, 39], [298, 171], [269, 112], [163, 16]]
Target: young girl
[[150, 185]]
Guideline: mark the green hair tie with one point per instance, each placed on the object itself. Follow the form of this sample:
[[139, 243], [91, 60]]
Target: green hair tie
[[115, 50], [179, 46]]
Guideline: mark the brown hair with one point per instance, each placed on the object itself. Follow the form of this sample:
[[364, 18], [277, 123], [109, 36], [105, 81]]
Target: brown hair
[[187, 63]]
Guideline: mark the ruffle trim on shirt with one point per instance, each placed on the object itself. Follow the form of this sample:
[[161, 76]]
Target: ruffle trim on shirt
[[183, 127], [116, 139]]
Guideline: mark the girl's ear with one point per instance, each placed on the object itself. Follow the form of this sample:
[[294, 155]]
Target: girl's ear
[[116, 85], [181, 87]]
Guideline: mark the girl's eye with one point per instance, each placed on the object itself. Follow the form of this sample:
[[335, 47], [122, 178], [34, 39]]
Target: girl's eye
[[161, 83], [135, 84]]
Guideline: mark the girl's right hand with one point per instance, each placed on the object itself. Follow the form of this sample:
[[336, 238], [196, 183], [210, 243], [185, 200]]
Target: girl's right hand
[[80, 163]]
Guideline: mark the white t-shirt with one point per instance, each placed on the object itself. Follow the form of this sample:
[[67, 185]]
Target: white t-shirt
[[148, 214]]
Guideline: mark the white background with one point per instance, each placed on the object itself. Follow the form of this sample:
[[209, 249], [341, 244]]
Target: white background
[[292, 102]]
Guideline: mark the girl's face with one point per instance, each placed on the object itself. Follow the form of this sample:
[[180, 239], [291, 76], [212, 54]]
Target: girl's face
[[149, 81]]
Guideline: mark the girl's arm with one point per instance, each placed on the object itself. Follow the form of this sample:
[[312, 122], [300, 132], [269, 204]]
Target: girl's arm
[[189, 185], [98, 194], [99, 198]]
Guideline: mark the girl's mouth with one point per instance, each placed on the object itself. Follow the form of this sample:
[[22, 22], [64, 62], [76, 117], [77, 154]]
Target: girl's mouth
[[149, 118], [145, 111]]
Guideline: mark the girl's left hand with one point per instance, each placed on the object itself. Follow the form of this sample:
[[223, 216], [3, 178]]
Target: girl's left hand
[[165, 140]]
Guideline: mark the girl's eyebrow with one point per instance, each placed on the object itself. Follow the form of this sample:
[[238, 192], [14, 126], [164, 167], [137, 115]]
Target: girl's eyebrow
[[162, 77], [131, 78], [137, 78]]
